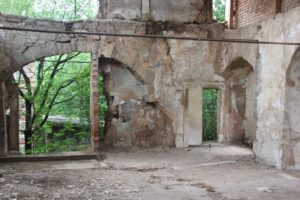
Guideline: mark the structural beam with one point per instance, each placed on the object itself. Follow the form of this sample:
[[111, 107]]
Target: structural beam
[[277, 6], [94, 102], [199, 39], [3, 128]]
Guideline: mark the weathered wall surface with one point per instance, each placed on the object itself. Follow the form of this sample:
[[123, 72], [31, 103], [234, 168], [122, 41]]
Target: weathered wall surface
[[291, 138], [169, 69], [120, 9], [5, 65], [250, 115], [188, 11], [270, 63], [237, 80], [289, 4], [271, 70], [155, 63], [131, 120]]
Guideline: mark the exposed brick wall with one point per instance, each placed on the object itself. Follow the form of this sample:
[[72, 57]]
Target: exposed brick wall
[[248, 12], [289, 4]]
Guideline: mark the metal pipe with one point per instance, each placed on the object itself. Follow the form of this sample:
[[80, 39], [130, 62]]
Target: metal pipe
[[154, 36]]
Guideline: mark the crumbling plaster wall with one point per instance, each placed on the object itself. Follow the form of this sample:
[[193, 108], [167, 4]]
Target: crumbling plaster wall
[[150, 60], [240, 85], [272, 63], [5, 65], [131, 119], [291, 137], [187, 11], [168, 68]]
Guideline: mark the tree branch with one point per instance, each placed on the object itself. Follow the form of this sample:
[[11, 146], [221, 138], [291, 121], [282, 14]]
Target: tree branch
[[64, 101], [40, 76], [27, 82], [52, 103]]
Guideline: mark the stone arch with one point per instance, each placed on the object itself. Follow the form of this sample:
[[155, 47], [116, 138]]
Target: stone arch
[[240, 101], [147, 59], [291, 134], [130, 53]]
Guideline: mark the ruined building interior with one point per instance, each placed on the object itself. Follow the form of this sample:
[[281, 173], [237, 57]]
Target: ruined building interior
[[158, 57]]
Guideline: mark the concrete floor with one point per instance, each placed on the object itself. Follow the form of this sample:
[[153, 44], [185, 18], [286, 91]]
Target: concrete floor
[[213, 173]]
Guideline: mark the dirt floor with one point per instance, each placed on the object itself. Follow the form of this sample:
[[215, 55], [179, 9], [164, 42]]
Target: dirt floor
[[210, 173]]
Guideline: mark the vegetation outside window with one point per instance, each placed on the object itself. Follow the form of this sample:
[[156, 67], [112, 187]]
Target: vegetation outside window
[[219, 7]]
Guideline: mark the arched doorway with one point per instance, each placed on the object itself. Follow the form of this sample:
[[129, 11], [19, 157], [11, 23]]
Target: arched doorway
[[132, 119], [291, 134], [240, 95]]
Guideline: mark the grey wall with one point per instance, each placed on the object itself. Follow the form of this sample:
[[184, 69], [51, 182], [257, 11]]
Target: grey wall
[[188, 11]]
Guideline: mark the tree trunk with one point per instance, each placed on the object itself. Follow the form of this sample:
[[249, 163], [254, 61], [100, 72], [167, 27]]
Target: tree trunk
[[28, 145], [28, 127]]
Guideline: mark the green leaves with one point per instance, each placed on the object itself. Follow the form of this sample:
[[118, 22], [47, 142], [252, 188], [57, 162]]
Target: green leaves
[[219, 7], [54, 9], [61, 87], [17, 7], [209, 114]]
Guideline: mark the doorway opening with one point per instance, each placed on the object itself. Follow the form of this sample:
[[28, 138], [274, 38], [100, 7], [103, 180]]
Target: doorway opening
[[210, 115], [54, 104]]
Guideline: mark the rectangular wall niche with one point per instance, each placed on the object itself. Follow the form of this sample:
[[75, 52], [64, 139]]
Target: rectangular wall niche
[[210, 114], [193, 116]]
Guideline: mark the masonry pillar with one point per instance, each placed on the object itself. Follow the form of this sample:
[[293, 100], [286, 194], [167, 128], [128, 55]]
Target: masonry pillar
[[94, 104], [13, 124], [3, 130]]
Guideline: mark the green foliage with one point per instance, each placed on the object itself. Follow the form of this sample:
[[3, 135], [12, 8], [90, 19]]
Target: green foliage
[[17, 7], [79, 91], [146, 17], [62, 87], [66, 139], [219, 7], [209, 114], [57, 10], [75, 97]]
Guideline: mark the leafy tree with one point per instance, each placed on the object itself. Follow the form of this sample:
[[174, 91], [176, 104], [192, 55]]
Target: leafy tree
[[65, 9], [41, 96], [209, 114], [219, 7], [17, 7], [54, 9], [61, 87]]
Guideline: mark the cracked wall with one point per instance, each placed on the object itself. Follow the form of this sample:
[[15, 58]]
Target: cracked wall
[[131, 119], [240, 83], [168, 69], [188, 11], [291, 138]]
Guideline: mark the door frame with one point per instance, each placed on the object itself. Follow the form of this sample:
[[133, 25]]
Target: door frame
[[220, 106]]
